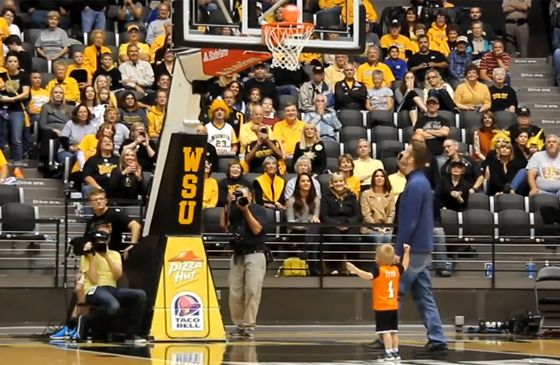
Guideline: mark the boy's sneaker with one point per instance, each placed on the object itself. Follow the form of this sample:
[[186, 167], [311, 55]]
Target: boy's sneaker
[[62, 334], [249, 334], [79, 332], [238, 332], [386, 357], [397, 355]]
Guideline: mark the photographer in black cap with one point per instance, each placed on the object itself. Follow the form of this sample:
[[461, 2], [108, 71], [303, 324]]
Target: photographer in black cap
[[101, 267], [246, 223]]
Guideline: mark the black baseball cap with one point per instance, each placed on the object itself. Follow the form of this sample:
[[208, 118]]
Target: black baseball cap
[[523, 111], [318, 70], [395, 23], [458, 163]]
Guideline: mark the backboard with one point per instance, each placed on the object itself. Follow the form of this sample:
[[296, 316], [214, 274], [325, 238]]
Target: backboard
[[236, 24]]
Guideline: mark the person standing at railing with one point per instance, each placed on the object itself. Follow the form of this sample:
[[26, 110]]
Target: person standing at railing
[[415, 228]]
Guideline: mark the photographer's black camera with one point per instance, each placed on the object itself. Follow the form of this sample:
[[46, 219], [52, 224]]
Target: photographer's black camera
[[263, 130], [100, 241], [240, 199]]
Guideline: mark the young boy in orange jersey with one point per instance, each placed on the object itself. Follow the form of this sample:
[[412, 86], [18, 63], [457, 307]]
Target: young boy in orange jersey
[[385, 278]]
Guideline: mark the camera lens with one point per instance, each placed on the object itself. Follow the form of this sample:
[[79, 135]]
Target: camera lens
[[264, 130]]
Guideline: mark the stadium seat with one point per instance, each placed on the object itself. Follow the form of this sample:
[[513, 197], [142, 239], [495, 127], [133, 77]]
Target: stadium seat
[[29, 48], [469, 134], [351, 148], [509, 201], [251, 176], [478, 225], [77, 47], [350, 118], [113, 12], [479, 201], [385, 149], [285, 99], [31, 35], [540, 200], [450, 223], [449, 116], [40, 64], [469, 119], [348, 134], [456, 134], [10, 194], [403, 119], [332, 148], [19, 219], [504, 119], [548, 304], [380, 117], [463, 147], [123, 36], [384, 133], [325, 181], [110, 38], [328, 20], [332, 164], [390, 165], [211, 220], [514, 225], [406, 134], [46, 77], [288, 177], [114, 53], [223, 163]]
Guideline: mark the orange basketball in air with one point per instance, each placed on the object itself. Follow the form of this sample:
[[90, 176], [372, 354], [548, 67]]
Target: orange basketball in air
[[290, 13]]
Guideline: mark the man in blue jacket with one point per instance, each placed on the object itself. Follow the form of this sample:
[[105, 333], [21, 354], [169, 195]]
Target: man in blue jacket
[[416, 226]]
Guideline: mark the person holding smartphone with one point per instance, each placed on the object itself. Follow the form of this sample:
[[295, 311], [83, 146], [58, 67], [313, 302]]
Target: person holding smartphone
[[144, 147]]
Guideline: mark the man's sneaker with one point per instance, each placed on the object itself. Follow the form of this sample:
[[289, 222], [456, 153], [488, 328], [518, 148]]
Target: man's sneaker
[[376, 345], [238, 332], [135, 340], [249, 334], [386, 357], [62, 334], [432, 348]]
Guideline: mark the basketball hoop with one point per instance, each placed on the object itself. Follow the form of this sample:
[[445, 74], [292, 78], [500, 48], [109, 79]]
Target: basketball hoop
[[286, 41]]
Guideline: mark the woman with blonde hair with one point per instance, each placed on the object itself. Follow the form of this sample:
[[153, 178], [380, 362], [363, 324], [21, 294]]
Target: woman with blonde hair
[[502, 168], [93, 52], [311, 146], [102, 81], [339, 211], [435, 85], [126, 180], [122, 133]]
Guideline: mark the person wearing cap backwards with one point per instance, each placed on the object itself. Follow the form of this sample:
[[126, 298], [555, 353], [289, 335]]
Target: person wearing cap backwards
[[459, 59], [133, 32], [524, 125], [491, 60], [310, 89], [395, 38], [433, 128]]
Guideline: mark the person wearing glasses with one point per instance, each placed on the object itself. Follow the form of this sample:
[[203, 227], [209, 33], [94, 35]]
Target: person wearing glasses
[[436, 86]]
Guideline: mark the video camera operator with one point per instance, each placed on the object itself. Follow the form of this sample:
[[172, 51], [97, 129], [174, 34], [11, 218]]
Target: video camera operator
[[101, 267], [246, 223]]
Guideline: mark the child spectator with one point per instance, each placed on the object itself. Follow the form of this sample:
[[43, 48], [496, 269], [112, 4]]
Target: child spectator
[[131, 112], [108, 69], [396, 64], [385, 286], [156, 115]]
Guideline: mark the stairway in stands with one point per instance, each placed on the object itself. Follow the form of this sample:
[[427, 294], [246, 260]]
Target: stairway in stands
[[533, 78]]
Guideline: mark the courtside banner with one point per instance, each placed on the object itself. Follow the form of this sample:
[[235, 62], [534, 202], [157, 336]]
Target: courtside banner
[[216, 61], [178, 209], [186, 305]]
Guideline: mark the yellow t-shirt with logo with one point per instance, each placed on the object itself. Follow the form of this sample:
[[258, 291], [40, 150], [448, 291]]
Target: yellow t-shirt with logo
[[104, 275], [364, 72], [39, 97]]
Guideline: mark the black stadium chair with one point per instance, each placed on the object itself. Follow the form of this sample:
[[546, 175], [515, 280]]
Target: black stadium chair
[[223, 163], [351, 148], [505, 119], [29, 48], [332, 164], [46, 77], [514, 226], [350, 118], [450, 223], [78, 47], [403, 119], [456, 134], [509, 201], [384, 133], [540, 200], [332, 148], [328, 20], [40, 64], [478, 225], [285, 99], [390, 165], [18, 221], [325, 180], [10, 194], [385, 149], [479, 201], [449, 116], [406, 134], [31, 35], [348, 134], [380, 117], [469, 119], [211, 220]]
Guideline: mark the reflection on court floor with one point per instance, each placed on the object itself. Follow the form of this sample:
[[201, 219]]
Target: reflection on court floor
[[285, 345]]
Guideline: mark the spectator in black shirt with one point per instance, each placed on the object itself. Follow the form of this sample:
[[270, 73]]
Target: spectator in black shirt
[[454, 188], [524, 125], [16, 46], [503, 97], [108, 68], [425, 58], [259, 81], [434, 129], [144, 147], [349, 93], [472, 173]]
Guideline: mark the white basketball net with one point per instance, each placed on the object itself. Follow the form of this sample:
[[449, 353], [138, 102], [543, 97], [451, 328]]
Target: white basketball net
[[286, 41]]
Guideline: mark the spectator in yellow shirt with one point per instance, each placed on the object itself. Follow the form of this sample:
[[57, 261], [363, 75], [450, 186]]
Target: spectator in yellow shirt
[[365, 165], [39, 96], [472, 94], [211, 193], [156, 115], [79, 71], [335, 73], [68, 84], [365, 70], [133, 31], [437, 34], [395, 38], [347, 12], [96, 50], [288, 131]]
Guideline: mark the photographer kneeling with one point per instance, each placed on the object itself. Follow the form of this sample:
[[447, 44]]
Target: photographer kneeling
[[246, 222], [101, 268]]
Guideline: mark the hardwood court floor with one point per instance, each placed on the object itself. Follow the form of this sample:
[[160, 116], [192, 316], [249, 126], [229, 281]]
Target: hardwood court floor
[[310, 345]]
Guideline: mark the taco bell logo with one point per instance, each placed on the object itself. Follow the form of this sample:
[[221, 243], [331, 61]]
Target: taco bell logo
[[187, 309]]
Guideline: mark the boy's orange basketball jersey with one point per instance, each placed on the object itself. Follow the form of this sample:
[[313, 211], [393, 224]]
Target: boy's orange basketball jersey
[[385, 290]]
